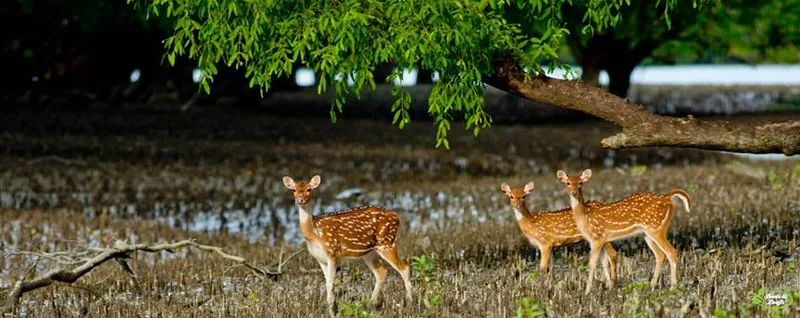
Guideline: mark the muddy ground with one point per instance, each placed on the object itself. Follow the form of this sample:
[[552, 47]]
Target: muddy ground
[[72, 179]]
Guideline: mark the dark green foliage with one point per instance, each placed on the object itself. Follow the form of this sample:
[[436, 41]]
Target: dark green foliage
[[734, 31]]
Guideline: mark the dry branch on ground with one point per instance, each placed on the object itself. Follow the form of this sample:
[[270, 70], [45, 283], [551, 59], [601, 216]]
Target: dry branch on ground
[[90, 258]]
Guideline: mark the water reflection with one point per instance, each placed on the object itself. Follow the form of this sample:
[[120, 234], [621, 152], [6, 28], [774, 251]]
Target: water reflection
[[275, 221]]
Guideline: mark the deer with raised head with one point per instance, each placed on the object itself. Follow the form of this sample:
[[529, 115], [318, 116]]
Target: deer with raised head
[[368, 233], [644, 213], [549, 229]]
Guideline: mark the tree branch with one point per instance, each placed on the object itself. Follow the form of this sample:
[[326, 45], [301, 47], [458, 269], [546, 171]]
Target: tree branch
[[641, 128], [120, 252]]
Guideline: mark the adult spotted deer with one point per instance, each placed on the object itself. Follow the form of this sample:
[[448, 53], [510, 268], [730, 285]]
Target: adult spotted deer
[[368, 233], [550, 229], [643, 213]]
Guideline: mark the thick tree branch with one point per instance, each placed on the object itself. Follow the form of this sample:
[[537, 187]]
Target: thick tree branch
[[641, 128], [120, 252]]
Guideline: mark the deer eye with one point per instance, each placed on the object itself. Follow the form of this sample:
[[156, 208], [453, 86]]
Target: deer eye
[[293, 190], [308, 190]]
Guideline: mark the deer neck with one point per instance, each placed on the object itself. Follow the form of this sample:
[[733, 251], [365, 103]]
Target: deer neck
[[521, 213], [578, 207], [307, 222]]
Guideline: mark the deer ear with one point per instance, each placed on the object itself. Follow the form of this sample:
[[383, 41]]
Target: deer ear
[[528, 187], [315, 180], [288, 182], [504, 186], [562, 176], [586, 175]]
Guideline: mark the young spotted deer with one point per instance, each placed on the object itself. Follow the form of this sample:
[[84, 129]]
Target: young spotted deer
[[368, 233], [551, 229], [640, 213]]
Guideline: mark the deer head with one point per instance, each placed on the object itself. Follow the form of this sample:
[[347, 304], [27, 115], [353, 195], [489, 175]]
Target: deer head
[[574, 183], [517, 196], [301, 189]]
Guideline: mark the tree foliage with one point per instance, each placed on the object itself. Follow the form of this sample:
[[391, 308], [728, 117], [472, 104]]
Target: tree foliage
[[463, 41], [743, 31], [730, 31], [713, 31], [618, 50]]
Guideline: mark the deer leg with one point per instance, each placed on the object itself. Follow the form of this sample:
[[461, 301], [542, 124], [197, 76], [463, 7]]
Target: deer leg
[[544, 261], [593, 259], [389, 254], [659, 260], [672, 255], [324, 266], [611, 258], [604, 263], [330, 275], [374, 264]]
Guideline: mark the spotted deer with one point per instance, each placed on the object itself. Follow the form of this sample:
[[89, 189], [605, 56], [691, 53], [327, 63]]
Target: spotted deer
[[642, 213], [368, 233], [549, 229]]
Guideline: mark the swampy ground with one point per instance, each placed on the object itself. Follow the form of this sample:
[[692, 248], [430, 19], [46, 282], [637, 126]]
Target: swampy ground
[[71, 179]]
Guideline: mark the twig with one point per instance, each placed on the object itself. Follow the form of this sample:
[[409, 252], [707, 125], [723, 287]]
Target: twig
[[67, 162], [189, 103], [756, 251], [59, 159], [62, 258], [121, 251], [281, 262], [237, 259]]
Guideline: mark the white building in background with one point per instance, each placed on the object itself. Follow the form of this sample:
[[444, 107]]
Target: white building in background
[[709, 74]]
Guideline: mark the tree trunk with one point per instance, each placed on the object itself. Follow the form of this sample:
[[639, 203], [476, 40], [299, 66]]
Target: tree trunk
[[641, 128], [382, 71], [424, 76], [590, 69], [619, 77]]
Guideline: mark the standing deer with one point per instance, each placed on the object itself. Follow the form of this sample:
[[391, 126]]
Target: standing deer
[[551, 229], [640, 213], [368, 233]]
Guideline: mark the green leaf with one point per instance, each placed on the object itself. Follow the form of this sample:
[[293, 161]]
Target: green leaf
[[206, 87]]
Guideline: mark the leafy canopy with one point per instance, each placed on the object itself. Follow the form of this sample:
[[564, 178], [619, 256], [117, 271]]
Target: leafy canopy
[[766, 31], [461, 40]]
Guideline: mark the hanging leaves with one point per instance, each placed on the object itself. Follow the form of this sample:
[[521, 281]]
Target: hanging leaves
[[344, 43]]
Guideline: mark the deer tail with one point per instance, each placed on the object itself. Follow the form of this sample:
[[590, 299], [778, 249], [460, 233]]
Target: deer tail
[[681, 194]]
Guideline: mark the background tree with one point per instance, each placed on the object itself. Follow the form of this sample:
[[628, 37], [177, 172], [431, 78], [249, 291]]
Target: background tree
[[741, 32], [734, 31], [76, 44], [90, 48], [469, 43], [618, 50]]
